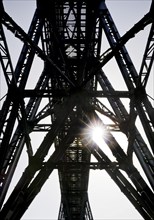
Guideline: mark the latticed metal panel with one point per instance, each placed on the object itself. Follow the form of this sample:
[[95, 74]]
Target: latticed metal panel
[[66, 103]]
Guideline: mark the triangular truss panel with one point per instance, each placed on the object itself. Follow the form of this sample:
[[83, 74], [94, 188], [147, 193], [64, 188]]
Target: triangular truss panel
[[71, 97]]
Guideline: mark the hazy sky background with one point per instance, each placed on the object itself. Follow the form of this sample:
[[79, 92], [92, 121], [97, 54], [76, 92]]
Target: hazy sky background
[[106, 199]]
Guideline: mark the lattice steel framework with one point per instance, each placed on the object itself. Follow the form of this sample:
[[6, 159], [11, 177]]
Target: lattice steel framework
[[64, 106]]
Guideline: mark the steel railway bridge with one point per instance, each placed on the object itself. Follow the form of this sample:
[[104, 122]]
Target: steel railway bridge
[[67, 101]]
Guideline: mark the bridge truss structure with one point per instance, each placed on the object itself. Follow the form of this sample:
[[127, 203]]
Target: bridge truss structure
[[72, 95]]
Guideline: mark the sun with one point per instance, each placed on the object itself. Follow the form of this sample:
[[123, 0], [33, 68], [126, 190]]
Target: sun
[[93, 132], [97, 133]]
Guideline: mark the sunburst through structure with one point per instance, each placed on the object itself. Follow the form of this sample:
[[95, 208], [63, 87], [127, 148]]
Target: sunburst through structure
[[74, 94]]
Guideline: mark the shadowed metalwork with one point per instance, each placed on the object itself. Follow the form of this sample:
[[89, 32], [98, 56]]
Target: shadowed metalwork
[[66, 100]]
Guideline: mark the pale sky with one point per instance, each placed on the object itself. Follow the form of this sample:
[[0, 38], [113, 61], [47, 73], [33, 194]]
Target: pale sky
[[106, 199]]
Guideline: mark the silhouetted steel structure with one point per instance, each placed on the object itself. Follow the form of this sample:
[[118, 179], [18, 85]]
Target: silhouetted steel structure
[[65, 102]]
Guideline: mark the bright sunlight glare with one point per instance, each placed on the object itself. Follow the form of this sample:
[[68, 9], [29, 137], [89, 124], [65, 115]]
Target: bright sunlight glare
[[97, 133], [94, 131]]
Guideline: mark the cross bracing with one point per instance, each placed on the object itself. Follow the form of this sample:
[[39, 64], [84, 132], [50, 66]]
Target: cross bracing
[[64, 105]]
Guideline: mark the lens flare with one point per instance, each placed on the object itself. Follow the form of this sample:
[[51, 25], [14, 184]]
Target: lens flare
[[93, 132], [97, 133]]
